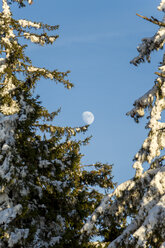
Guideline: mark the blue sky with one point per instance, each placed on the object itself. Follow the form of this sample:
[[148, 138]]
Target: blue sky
[[97, 41]]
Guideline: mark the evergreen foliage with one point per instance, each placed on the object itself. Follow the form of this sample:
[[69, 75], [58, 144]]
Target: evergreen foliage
[[45, 193], [138, 205]]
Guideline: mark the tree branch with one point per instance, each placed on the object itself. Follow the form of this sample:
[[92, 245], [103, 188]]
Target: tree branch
[[153, 20], [160, 74]]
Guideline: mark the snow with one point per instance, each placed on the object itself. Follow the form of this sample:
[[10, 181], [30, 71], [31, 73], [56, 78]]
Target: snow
[[25, 109], [48, 74], [161, 7], [58, 184], [17, 235], [7, 128], [3, 198], [5, 170], [5, 147], [54, 240], [6, 9], [38, 243], [24, 192], [155, 215], [160, 36], [60, 163], [152, 204], [25, 23], [44, 163], [154, 143], [7, 88], [105, 204], [162, 245], [151, 212], [2, 61], [7, 215], [143, 102], [2, 68], [32, 37], [39, 39], [149, 44]]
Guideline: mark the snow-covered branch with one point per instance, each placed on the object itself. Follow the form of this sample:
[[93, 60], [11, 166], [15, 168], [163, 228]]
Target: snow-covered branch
[[150, 214], [142, 103], [147, 205], [153, 43]]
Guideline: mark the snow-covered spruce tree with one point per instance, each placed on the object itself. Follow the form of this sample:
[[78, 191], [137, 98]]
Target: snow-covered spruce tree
[[45, 194], [142, 199]]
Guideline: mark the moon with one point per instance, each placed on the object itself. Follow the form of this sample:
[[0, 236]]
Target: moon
[[88, 117]]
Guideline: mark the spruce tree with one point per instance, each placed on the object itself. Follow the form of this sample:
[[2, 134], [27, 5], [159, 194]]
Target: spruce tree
[[45, 193], [138, 205]]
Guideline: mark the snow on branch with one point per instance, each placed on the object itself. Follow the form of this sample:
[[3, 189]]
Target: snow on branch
[[87, 228], [21, 3], [37, 25], [148, 200], [154, 102], [53, 75], [40, 39], [69, 131], [150, 214], [7, 215], [163, 245], [6, 9], [150, 44], [13, 107], [161, 6], [3, 65], [17, 235], [142, 103]]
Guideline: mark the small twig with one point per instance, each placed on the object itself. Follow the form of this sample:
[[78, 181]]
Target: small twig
[[3, 51], [90, 165], [153, 20], [160, 74], [157, 161]]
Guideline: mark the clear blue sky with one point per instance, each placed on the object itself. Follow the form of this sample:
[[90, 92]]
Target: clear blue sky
[[97, 41]]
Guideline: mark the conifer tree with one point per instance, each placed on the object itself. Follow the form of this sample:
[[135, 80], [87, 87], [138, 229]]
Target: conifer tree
[[45, 193], [138, 205]]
